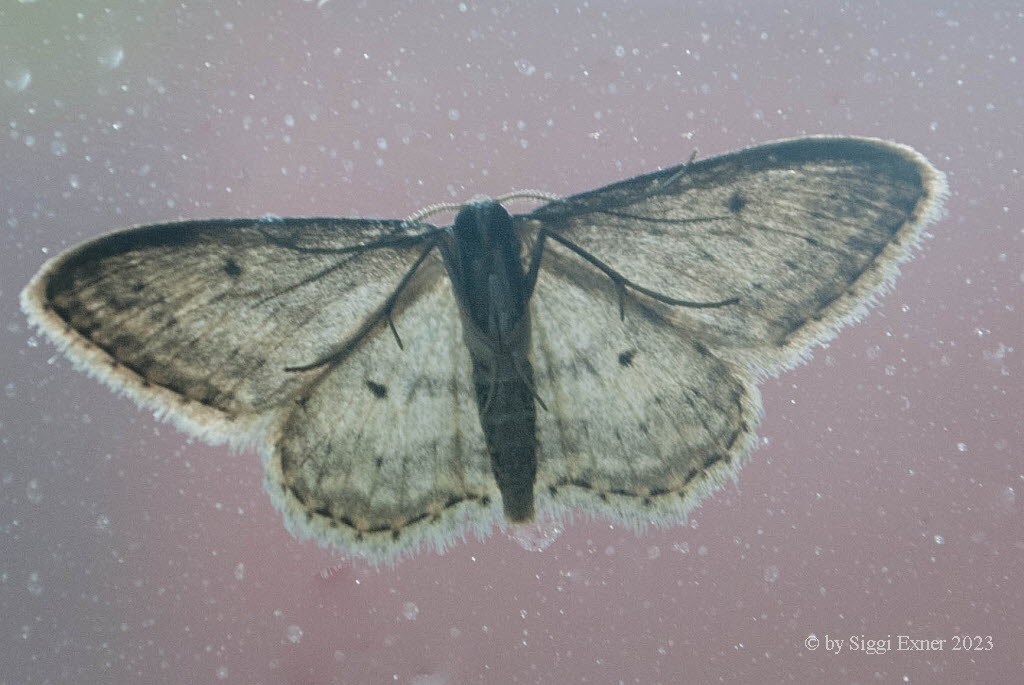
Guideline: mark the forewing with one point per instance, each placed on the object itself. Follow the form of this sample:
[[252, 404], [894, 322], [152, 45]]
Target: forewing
[[384, 453], [201, 320], [803, 232], [641, 421]]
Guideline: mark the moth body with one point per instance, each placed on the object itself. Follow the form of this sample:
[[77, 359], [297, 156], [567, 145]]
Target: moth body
[[490, 285]]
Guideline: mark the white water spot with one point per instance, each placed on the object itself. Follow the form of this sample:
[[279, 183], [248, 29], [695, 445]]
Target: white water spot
[[1006, 502], [239, 571], [771, 574], [112, 58], [294, 634], [35, 587], [19, 80], [33, 493], [410, 611], [524, 67], [939, 540]]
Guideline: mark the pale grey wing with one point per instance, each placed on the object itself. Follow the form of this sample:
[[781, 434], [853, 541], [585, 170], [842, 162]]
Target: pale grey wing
[[805, 233], [641, 420], [201, 320], [384, 453]]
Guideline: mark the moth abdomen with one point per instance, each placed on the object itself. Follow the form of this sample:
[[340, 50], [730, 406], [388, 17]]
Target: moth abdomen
[[508, 417]]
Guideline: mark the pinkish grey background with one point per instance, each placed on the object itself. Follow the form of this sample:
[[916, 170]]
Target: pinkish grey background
[[886, 497]]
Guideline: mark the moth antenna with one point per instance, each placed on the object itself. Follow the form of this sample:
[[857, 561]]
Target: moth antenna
[[394, 331], [620, 287], [530, 384], [436, 208], [529, 194]]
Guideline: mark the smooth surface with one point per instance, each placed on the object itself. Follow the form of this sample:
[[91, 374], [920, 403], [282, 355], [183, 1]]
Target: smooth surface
[[885, 500]]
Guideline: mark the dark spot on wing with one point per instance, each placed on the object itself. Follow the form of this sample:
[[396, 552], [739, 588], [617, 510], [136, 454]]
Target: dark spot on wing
[[736, 202], [231, 268], [626, 357], [379, 391]]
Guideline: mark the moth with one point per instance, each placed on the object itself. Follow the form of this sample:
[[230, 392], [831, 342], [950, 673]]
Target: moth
[[405, 382]]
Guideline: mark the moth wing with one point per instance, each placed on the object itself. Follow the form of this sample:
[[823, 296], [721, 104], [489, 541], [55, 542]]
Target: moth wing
[[805, 233], [202, 320], [641, 421], [384, 453]]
